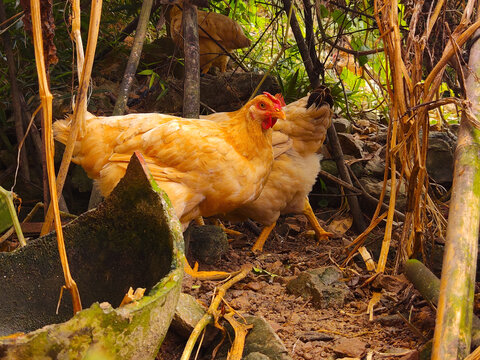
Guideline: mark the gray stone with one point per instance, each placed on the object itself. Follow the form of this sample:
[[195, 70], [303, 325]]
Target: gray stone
[[350, 145], [256, 356], [263, 339], [329, 166], [376, 167], [187, 314], [358, 169], [261, 343], [322, 285], [342, 125], [440, 159], [374, 188], [207, 243]]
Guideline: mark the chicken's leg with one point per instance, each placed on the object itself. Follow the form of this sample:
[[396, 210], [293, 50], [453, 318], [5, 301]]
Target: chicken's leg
[[225, 230], [205, 275], [258, 246], [312, 219], [199, 221]]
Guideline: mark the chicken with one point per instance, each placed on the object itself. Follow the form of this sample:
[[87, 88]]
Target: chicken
[[214, 29], [206, 168], [295, 167]]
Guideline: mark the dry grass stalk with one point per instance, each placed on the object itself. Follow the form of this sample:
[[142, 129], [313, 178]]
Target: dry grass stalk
[[409, 125], [212, 312]]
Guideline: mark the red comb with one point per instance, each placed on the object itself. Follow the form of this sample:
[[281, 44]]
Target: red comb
[[281, 99], [274, 99]]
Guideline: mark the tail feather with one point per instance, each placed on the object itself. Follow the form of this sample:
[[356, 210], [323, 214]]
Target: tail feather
[[320, 96], [61, 130]]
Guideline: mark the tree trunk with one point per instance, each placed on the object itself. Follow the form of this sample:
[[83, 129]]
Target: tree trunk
[[191, 86]]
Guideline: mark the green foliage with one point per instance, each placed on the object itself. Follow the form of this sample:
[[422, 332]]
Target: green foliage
[[5, 218]]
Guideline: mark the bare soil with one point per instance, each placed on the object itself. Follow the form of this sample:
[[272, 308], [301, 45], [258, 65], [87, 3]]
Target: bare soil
[[402, 320]]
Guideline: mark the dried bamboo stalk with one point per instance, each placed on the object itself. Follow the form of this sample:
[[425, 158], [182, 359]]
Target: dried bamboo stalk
[[46, 98], [78, 122], [455, 305]]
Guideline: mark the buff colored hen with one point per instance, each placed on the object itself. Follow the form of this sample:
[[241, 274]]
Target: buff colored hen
[[205, 167], [212, 26], [295, 168]]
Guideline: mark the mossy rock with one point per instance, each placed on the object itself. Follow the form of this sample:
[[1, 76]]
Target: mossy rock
[[132, 239]]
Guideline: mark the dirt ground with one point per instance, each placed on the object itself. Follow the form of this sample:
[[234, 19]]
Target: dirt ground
[[402, 320]]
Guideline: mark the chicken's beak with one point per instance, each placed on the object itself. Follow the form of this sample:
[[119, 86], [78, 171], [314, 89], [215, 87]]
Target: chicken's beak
[[279, 114]]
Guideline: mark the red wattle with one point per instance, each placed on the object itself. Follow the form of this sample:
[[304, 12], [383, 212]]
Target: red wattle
[[267, 123]]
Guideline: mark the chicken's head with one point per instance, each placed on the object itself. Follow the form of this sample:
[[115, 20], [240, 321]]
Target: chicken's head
[[267, 109]]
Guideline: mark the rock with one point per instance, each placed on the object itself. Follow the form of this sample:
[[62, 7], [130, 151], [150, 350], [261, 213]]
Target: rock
[[262, 339], [329, 166], [256, 356], [342, 125], [207, 243], [358, 169], [261, 343], [187, 314], [374, 187], [350, 347], [440, 158], [376, 167], [308, 336], [322, 285], [350, 145], [391, 283]]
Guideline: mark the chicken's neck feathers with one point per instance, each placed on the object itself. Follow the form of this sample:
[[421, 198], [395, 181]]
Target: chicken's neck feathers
[[246, 135]]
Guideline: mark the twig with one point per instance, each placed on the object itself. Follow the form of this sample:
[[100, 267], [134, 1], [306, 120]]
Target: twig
[[134, 58], [212, 311], [241, 330], [279, 55]]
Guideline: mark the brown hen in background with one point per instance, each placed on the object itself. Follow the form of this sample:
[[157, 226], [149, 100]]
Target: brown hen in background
[[213, 29]]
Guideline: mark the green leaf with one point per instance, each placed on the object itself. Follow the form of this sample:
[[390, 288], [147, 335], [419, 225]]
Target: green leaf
[[5, 218], [324, 13], [146, 72], [362, 60]]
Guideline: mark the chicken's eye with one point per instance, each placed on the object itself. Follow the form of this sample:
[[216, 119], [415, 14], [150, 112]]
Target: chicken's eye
[[262, 105]]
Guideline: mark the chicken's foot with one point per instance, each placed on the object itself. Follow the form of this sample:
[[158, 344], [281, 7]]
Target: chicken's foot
[[199, 221], [258, 246], [312, 219], [225, 230], [206, 275]]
